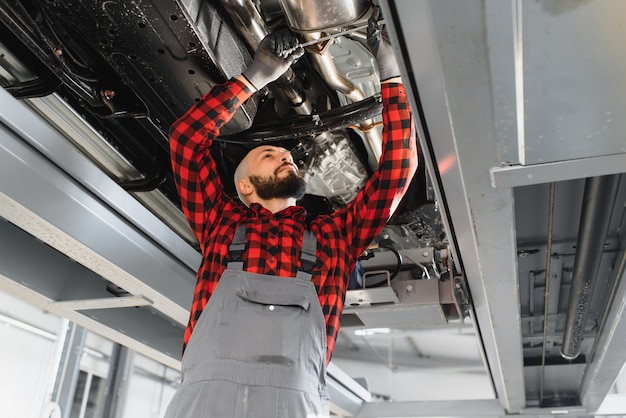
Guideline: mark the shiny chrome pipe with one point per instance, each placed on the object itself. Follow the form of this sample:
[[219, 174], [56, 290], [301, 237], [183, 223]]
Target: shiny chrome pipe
[[598, 201], [251, 26], [326, 67]]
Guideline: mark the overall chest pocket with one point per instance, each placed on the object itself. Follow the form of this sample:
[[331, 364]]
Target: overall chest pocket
[[262, 327]]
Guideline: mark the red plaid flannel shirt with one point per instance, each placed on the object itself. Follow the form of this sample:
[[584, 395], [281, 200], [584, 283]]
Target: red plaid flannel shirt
[[273, 241]]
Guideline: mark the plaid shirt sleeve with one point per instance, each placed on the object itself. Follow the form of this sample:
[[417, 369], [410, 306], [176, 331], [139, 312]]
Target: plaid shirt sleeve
[[368, 213], [363, 219], [195, 173]]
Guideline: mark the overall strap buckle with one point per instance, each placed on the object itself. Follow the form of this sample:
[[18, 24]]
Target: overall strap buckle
[[237, 247], [309, 247], [307, 256]]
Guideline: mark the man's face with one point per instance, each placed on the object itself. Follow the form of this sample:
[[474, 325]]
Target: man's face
[[274, 174]]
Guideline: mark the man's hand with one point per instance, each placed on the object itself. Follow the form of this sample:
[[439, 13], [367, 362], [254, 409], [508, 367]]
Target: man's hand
[[275, 54], [378, 41]]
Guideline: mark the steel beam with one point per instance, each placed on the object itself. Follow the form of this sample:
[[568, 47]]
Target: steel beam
[[445, 44], [506, 176], [44, 200], [54, 277], [95, 235], [483, 408], [69, 368], [120, 365], [346, 395], [60, 155]]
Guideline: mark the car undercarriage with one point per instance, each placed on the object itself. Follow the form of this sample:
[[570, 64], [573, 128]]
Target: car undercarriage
[[90, 89]]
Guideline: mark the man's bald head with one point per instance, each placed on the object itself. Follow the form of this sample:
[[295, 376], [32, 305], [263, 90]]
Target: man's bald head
[[270, 173]]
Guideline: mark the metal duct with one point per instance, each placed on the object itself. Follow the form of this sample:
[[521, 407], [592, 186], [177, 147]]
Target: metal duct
[[598, 201]]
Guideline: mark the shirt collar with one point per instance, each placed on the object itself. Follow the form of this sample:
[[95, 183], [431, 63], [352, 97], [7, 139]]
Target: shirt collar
[[297, 213]]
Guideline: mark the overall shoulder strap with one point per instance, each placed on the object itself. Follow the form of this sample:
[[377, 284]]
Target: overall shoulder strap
[[307, 255], [237, 248]]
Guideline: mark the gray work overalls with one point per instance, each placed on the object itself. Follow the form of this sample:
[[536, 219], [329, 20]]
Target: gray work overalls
[[258, 348]]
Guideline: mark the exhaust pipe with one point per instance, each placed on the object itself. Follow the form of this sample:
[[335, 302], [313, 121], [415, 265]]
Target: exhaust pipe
[[326, 68], [598, 201], [308, 18], [251, 26]]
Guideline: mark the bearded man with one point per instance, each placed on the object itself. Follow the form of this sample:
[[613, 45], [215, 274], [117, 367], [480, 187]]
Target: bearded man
[[270, 289]]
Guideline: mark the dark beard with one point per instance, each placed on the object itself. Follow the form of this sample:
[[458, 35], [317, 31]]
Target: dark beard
[[279, 188]]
